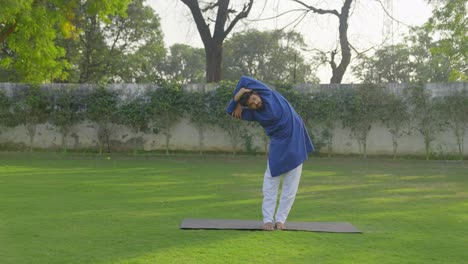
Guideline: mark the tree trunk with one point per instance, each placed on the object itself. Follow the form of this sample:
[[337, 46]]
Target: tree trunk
[[32, 132], [214, 58], [135, 143], [427, 143], [200, 138], [168, 136], [338, 72], [364, 148], [213, 43], [395, 145], [329, 147], [64, 141], [460, 148]]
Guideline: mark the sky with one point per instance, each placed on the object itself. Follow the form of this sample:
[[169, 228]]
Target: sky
[[368, 25]]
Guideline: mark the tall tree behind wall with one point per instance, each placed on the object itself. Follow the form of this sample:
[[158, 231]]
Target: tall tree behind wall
[[448, 26], [338, 70], [274, 56], [113, 52], [28, 30], [219, 12]]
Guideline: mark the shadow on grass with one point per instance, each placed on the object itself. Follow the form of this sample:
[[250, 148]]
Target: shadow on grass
[[107, 211]]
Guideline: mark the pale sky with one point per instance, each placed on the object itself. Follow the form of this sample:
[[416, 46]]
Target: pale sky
[[366, 24]]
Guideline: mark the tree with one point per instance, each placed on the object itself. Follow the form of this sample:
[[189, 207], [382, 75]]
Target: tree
[[361, 110], [66, 112], [218, 101], [143, 66], [166, 107], [112, 51], [267, 55], [185, 64], [411, 61], [213, 42], [396, 117], [390, 64], [30, 28], [428, 66], [102, 109], [325, 113], [199, 113], [455, 111], [424, 114], [31, 109], [448, 26], [135, 115], [339, 70], [5, 110]]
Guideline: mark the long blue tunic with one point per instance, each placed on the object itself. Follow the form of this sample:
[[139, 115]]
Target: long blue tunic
[[289, 141]]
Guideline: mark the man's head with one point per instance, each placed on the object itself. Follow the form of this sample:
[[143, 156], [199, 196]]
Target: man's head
[[252, 100]]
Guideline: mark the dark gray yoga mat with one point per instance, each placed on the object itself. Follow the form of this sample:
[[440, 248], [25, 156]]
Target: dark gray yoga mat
[[332, 227]]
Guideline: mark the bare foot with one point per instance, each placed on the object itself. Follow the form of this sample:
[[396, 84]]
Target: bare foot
[[280, 226], [268, 226]]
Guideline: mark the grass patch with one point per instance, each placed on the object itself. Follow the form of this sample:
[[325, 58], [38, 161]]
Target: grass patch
[[88, 209]]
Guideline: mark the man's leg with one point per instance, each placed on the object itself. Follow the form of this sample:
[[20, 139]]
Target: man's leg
[[288, 194], [270, 195]]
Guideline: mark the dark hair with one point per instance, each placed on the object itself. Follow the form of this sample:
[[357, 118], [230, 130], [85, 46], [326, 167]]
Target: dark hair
[[244, 98]]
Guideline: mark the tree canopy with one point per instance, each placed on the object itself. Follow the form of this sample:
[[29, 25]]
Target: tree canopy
[[28, 29]]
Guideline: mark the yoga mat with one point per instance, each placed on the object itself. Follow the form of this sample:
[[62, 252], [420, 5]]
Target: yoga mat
[[331, 227]]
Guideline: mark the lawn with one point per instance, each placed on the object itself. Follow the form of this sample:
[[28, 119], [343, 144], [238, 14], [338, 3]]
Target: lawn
[[83, 209]]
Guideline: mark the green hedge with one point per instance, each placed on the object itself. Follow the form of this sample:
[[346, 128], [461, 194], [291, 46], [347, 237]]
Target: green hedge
[[162, 105]]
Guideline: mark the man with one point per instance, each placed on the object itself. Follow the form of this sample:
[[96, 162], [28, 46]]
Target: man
[[289, 144]]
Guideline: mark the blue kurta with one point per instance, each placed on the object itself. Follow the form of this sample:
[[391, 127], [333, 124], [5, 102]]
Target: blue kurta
[[289, 140]]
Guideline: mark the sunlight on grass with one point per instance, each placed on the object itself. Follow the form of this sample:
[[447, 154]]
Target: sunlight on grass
[[227, 204], [159, 199], [407, 190], [330, 187], [409, 178], [307, 173], [55, 209]]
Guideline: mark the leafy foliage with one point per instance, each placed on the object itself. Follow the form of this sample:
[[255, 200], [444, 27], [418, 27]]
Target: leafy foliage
[[102, 109], [267, 55], [325, 113], [199, 112], [185, 64], [32, 108], [135, 115], [30, 28], [454, 109], [218, 100], [396, 117], [5, 110], [167, 107], [448, 26], [361, 109], [425, 116], [66, 111]]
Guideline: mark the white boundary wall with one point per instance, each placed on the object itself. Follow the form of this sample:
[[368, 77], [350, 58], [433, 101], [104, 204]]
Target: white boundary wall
[[185, 135]]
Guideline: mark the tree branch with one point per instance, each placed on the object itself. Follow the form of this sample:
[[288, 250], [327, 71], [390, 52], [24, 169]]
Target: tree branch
[[243, 14], [332, 60], [209, 7], [7, 31], [390, 16], [318, 10], [203, 28]]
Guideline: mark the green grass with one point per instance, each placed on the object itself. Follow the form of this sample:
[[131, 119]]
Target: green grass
[[73, 209]]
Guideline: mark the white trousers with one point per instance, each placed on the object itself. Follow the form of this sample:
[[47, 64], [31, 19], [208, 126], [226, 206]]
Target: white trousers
[[288, 194]]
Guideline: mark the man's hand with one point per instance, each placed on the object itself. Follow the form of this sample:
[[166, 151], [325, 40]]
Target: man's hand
[[238, 111], [241, 91]]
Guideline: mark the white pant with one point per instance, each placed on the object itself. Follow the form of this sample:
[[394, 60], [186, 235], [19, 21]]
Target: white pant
[[288, 194]]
